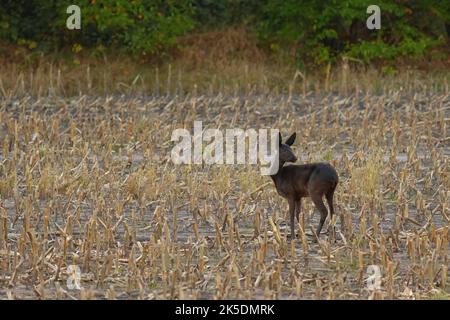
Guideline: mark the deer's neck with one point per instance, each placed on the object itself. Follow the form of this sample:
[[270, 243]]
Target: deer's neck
[[276, 175]]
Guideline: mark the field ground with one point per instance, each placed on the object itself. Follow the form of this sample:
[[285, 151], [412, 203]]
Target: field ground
[[88, 181]]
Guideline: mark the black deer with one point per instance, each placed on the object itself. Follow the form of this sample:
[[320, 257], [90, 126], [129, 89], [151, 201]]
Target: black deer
[[294, 182]]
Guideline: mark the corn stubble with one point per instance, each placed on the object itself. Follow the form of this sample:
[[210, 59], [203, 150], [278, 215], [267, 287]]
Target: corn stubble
[[89, 182]]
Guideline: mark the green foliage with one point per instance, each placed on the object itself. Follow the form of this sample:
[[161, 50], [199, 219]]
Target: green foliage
[[323, 31], [143, 27], [223, 13], [318, 31], [27, 19], [139, 27]]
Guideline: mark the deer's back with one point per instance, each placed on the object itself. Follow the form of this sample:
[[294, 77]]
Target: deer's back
[[299, 180]]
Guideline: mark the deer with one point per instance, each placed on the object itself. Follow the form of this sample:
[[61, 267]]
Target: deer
[[294, 182]]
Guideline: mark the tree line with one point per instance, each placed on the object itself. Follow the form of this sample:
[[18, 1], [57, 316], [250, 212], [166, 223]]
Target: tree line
[[316, 31]]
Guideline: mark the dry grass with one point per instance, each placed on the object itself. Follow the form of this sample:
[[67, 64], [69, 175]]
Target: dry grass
[[88, 181], [227, 62]]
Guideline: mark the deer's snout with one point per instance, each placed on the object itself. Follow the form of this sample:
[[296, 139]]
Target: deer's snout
[[294, 159]]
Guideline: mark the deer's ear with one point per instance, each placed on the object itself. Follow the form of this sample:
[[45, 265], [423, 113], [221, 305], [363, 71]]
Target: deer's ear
[[291, 139], [280, 141]]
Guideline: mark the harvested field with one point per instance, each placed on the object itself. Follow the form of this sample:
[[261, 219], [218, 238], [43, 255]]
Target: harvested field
[[89, 182]]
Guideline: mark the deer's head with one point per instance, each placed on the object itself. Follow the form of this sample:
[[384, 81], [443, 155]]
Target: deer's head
[[285, 152]]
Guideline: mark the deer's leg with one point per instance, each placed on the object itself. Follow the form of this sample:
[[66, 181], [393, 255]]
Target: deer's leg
[[292, 214], [329, 197], [318, 202], [298, 208]]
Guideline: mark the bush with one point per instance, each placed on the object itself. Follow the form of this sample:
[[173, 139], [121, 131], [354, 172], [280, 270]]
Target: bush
[[323, 31], [214, 14], [138, 27]]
